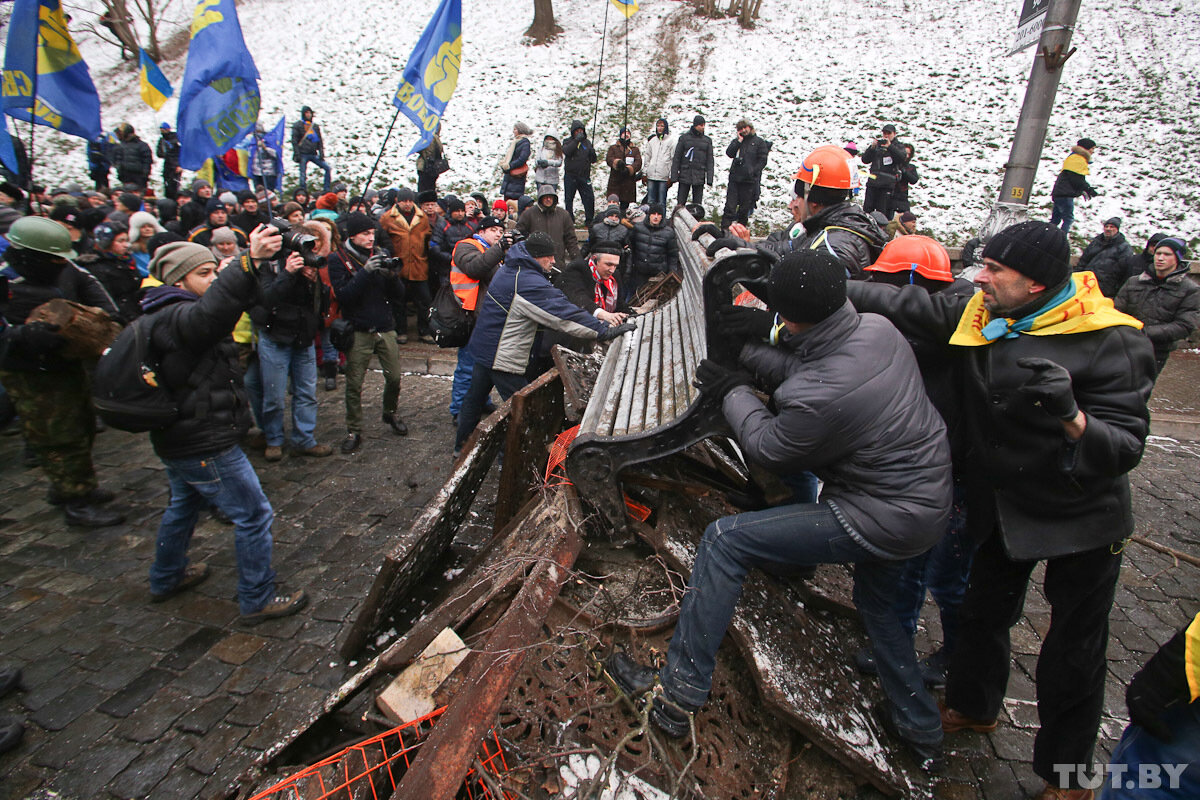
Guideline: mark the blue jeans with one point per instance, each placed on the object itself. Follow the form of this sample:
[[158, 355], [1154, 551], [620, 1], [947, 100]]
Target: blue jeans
[[656, 192], [1064, 213], [228, 481], [312, 158], [277, 363], [482, 380], [779, 539], [329, 353], [1137, 747], [943, 571], [462, 380]]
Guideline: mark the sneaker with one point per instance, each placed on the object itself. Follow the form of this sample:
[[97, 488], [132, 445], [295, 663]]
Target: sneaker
[[96, 497], [929, 757], [317, 451], [82, 514], [273, 453], [283, 605], [193, 575], [396, 424], [350, 443], [953, 722]]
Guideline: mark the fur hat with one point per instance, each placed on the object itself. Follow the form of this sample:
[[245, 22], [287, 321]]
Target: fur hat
[[137, 220], [1035, 249], [539, 245], [172, 262], [807, 286], [427, 196], [455, 205]]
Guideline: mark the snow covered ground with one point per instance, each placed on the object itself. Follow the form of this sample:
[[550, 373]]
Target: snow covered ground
[[812, 72]]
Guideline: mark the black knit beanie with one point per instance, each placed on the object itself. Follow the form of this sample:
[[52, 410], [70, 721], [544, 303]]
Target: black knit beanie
[[356, 222], [1037, 250], [539, 245], [807, 286]]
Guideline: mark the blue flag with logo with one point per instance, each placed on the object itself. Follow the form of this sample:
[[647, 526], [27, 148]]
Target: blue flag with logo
[[45, 77], [8, 156], [219, 99], [431, 74]]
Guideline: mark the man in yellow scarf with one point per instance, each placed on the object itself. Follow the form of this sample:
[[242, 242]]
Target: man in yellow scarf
[[1053, 392]]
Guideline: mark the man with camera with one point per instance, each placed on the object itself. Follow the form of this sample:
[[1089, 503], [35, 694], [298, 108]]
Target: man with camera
[[368, 288], [294, 302], [749, 153], [886, 156]]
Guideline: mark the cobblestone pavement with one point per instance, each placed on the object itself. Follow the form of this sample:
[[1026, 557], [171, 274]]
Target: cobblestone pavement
[[132, 700]]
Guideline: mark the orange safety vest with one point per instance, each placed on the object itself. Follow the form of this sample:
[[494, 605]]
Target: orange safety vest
[[465, 287]]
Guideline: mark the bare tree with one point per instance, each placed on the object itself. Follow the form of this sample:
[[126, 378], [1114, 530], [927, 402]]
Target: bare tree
[[119, 27], [544, 28]]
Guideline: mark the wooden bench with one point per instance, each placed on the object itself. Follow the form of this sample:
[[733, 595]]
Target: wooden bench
[[643, 406]]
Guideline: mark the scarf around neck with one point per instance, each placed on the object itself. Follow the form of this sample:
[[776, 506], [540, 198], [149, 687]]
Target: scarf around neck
[[606, 290]]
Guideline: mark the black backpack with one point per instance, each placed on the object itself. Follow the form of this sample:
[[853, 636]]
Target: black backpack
[[449, 322], [126, 388]]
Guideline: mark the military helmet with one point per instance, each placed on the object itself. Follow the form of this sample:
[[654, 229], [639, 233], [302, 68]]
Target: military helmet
[[43, 235]]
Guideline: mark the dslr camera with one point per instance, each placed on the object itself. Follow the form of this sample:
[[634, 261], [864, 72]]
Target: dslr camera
[[299, 241]]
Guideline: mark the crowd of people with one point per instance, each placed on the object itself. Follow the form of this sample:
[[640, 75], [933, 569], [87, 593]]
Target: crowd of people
[[953, 453]]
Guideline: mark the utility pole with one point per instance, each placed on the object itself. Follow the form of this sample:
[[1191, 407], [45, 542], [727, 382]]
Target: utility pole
[[1053, 50]]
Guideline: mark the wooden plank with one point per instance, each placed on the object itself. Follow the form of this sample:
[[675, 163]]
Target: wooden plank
[[536, 419]]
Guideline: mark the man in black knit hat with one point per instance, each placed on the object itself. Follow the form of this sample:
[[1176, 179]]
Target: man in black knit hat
[[848, 405], [1055, 383]]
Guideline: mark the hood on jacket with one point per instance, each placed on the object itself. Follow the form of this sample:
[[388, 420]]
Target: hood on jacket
[[547, 191], [577, 125], [161, 296], [666, 128]]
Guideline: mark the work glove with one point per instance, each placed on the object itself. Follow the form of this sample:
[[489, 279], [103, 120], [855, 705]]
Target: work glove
[[745, 322], [709, 228], [732, 242], [717, 381], [1158, 686], [38, 338], [615, 331], [1049, 387], [375, 263]]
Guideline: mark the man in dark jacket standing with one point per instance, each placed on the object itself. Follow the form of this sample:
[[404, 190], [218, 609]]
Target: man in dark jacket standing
[[553, 221], [1071, 183], [168, 152], [308, 147], [886, 156], [1164, 298], [624, 160], [692, 166], [578, 157], [1055, 383], [749, 153], [132, 158], [1107, 256], [849, 405], [99, 161], [654, 249], [192, 316]]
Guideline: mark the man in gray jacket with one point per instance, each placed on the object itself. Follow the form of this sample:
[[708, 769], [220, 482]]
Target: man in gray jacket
[[850, 408]]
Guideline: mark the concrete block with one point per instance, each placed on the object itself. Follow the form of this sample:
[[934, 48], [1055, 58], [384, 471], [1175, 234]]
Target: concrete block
[[410, 695]]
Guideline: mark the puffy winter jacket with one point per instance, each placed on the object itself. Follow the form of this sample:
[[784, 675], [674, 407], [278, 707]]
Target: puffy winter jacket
[[654, 248], [618, 234], [851, 408], [1045, 495], [886, 162], [749, 158], [1169, 307], [693, 159], [168, 151], [1072, 180], [513, 186], [120, 278], [519, 303], [133, 161], [843, 230], [1107, 258], [578, 153], [658, 154], [446, 234], [292, 308]]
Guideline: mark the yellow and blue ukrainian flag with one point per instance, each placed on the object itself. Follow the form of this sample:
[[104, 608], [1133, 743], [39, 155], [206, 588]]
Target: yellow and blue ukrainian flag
[[218, 99], [626, 7], [154, 85], [45, 78], [431, 75]]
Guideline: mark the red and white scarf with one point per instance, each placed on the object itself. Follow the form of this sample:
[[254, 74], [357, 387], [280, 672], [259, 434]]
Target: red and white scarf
[[606, 290]]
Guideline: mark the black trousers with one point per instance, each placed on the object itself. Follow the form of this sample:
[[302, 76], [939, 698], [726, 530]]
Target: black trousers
[[1071, 665], [739, 202], [878, 199], [695, 189], [573, 184]]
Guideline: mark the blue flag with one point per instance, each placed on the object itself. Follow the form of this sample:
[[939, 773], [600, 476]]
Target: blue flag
[[431, 74], [45, 77], [274, 140], [219, 100], [8, 156]]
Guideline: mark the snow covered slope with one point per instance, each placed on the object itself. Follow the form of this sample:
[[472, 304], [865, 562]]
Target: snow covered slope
[[812, 72]]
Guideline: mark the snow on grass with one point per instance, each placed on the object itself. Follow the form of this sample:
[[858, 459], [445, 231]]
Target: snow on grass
[[809, 73]]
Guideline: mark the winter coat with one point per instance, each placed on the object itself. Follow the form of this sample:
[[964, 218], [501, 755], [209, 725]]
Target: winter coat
[[293, 308], [579, 286], [191, 214], [548, 164], [654, 248], [198, 361], [441, 245], [478, 265], [120, 278], [99, 156], [1045, 495], [517, 155], [556, 223], [428, 156], [1107, 258], [885, 162], [1072, 180], [693, 159], [851, 408], [749, 158], [658, 154], [133, 160], [306, 143], [843, 230], [908, 177], [519, 303], [366, 298], [70, 283], [578, 154], [618, 234], [247, 222], [622, 176], [1169, 307], [410, 241], [168, 151]]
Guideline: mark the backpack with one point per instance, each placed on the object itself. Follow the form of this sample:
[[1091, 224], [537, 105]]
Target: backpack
[[125, 386], [449, 322]]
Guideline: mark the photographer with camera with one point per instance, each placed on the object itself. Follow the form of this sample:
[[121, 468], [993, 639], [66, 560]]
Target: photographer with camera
[[887, 157], [368, 288], [294, 303]]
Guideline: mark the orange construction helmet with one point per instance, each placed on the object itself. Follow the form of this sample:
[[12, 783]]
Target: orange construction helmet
[[828, 166], [915, 253]]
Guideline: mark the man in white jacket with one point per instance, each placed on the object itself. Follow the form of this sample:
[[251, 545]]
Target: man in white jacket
[[656, 163]]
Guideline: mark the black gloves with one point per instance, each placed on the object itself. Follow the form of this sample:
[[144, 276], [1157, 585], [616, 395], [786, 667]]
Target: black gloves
[[38, 338], [746, 322], [710, 229], [1049, 387], [717, 381], [732, 242], [1160, 684], [615, 331], [375, 263]]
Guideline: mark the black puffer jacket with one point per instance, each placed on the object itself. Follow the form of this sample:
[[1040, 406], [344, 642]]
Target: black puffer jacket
[[693, 161], [292, 307], [120, 279], [886, 162], [851, 408], [578, 153], [618, 234], [843, 230], [1169, 307], [654, 248], [198, 361], [1047, 496], [133, 160], [1107, 258], [749, 158]]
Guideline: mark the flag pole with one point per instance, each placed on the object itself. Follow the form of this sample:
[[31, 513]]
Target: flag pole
[[600, 72], [33, 113], [386, 136], [626, 71]]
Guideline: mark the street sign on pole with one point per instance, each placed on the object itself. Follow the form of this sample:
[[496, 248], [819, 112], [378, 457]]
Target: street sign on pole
[[1029, 28]]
